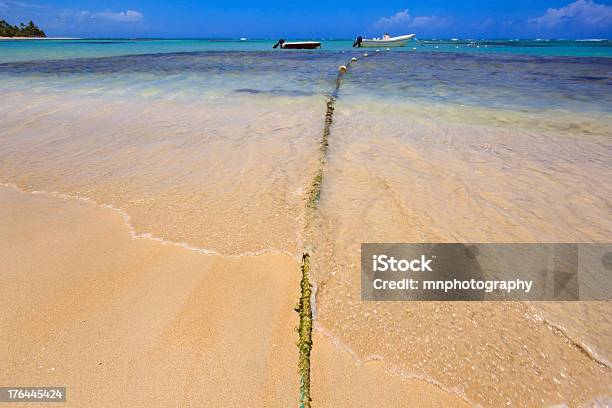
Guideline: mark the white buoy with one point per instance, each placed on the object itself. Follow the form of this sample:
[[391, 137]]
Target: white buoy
[[365, 55], [387, 49], [377, 50], [354, 59], [414, 48], [342, 68]]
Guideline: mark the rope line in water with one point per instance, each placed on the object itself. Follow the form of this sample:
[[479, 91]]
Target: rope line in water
[[304, 306]]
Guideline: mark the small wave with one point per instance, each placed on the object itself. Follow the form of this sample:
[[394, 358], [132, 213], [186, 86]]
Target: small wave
[[564, 332], [149, 236], [275, 92], [389, 368]]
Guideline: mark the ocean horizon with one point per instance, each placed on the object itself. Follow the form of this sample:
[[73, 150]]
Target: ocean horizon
[[43, 49]]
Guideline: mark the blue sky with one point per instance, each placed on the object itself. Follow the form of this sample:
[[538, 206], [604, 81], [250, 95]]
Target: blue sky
[[316, 18]]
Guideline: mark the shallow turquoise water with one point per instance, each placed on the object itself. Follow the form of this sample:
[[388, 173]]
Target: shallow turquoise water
[[59, 49], [491, 80], [520, 75]]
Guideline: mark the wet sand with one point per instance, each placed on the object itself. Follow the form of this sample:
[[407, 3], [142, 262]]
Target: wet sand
[[135, 323], [228, 176], [338, 380], [437, 181], [129, 322], [239, 188]]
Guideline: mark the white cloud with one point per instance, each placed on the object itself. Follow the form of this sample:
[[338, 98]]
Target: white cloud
[[488, 23], [427, 21], [403, 19], [86, 18], [128, 16], [19, 4], [584, 12]]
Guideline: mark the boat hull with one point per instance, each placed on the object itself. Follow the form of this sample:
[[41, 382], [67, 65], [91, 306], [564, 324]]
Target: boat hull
[[301, 45], [391, 42]]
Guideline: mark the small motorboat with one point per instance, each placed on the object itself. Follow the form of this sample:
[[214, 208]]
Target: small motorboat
[[386, 41], [297, 45]]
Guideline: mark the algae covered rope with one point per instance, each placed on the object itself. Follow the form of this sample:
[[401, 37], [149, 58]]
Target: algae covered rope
[[304, 309], [315, 187], [304, 306]]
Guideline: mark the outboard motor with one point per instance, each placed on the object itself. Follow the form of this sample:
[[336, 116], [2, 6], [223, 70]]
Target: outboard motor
[[279, 43], [358, 42]]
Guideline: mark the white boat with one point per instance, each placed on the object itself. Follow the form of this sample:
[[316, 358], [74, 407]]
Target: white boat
[[398, 41]]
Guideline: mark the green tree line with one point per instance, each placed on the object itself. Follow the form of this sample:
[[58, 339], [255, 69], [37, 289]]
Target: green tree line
[[21, 30]]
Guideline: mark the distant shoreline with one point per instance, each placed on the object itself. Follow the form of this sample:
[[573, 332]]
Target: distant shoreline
[[39, 38]]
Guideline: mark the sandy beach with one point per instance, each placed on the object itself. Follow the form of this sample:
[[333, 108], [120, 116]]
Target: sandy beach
[[130, 322], [135, 323], [340, 381]]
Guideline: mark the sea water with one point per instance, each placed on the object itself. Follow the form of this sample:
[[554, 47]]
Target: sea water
[[215, 145], [19, 50]]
